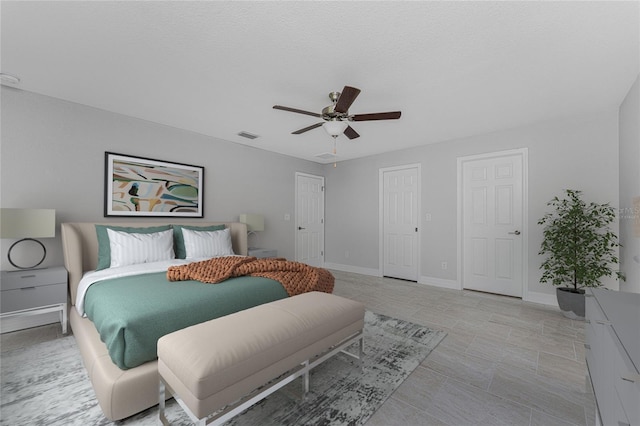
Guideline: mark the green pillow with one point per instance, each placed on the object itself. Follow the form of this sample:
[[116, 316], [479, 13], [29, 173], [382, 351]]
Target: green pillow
[[178, 239], [104, 248]]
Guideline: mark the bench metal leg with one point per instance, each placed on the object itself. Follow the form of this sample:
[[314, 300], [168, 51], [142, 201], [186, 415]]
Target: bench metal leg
[[305, 380], [161, 403], [360, 355]]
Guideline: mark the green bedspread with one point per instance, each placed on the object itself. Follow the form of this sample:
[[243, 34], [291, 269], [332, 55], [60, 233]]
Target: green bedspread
[[132, 313]]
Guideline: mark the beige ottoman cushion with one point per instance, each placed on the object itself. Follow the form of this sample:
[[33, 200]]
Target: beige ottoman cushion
[[212, 364]]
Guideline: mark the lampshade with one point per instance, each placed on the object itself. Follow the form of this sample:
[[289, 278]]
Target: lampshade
[[255, 222], [27, 223], [335, 128]]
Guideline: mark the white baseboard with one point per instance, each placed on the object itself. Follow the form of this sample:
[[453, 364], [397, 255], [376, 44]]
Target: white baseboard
[[28, 321], [440, 282], [350, 268], [436, 282], [531, 296], [542, 298]]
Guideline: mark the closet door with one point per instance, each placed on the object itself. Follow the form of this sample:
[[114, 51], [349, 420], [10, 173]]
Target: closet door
[[492, 224], [400, 223], [310, 219]]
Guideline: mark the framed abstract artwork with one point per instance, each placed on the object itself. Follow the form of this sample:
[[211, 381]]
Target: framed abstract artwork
[[142, 187]]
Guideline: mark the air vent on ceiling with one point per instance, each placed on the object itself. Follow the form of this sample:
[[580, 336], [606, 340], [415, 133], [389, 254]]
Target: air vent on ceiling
[[326, 156], [247, 135]]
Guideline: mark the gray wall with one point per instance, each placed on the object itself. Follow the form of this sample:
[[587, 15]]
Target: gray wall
[[630, 187], [52, 156], [577, 152]]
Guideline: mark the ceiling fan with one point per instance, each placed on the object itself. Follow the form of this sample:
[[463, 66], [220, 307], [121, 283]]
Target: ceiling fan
[[336, 116]]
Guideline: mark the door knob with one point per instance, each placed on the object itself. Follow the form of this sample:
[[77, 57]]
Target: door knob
[[515, 233], [300, 228]]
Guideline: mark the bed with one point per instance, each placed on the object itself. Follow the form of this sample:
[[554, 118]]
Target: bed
[[125, 378]]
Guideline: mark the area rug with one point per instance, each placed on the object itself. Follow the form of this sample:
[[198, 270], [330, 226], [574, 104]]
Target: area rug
[[47, 384]]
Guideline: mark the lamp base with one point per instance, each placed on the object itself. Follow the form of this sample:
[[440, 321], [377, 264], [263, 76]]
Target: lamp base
[[11, 261]]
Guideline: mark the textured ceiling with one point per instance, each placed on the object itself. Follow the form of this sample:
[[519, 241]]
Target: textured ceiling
[[454, 69]]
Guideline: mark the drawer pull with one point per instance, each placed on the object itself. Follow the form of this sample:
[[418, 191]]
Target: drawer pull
[[27, 288], [586, 346], [28, 276], [631, 378]]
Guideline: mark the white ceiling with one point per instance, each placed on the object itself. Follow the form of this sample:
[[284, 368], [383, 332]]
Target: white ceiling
[[454, 69]]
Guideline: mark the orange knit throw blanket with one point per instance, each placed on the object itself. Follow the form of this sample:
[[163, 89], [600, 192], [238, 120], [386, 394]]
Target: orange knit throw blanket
[[295, 277]]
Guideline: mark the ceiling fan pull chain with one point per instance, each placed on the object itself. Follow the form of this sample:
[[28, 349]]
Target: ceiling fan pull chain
[[335, 152]]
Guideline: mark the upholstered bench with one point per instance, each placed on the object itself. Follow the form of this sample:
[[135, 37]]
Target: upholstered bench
[[217, 369]]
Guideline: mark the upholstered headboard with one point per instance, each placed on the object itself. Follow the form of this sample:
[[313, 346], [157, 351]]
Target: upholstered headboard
[[80, 244]]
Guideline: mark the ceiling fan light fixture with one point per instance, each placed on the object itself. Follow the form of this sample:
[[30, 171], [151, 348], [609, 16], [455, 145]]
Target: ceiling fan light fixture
[[335, 127]]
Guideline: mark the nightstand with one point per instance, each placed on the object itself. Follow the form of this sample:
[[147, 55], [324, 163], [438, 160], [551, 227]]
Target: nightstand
[[262, 253], [34, 292]]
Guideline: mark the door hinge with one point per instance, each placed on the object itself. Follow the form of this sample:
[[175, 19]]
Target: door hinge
[[416, 229], [322, 188], [321, 220], [321, 252]]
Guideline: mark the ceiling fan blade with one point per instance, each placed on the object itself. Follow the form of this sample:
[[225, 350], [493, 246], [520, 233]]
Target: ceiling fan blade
[[377, 116], [347, 96], [350, 133], [306, 129], [299, 111]]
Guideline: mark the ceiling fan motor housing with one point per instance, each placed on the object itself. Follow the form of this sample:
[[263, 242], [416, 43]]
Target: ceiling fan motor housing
[[329, 113]]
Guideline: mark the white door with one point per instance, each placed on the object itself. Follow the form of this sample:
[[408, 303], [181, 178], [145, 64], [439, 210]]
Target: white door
[[400, 223], [492, 224], [310, 219]]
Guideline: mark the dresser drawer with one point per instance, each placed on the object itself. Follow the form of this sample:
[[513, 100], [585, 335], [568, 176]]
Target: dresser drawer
[[592, 307], [33, 297], [626, 383], [12, 280], [594, 330], [611, 330]]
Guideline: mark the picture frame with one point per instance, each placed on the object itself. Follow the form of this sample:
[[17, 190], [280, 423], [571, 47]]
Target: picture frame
[[143, 187]]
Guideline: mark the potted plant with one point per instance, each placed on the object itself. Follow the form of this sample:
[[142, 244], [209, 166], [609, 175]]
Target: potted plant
[[580, 249]]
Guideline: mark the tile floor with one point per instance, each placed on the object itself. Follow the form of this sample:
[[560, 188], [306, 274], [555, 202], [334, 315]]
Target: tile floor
[[503, 362]]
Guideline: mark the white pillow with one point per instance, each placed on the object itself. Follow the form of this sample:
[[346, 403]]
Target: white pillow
[[199, 244], [131, 248]]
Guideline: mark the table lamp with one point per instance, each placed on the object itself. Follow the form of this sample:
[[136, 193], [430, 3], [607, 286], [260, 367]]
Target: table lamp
[[27, 224], [254, 222]]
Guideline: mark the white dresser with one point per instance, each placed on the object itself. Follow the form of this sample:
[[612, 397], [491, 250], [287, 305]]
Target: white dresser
[[612, 333]]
